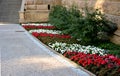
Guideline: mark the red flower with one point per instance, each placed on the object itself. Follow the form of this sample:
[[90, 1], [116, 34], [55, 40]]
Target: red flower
[[35, 34], [103, 62], [87, 59], [110, 65], [50, 35], [38, 27]]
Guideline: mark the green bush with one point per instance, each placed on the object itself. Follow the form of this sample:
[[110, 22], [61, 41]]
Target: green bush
[[58, 17], [89, 27], [63, 18], [92, 27]]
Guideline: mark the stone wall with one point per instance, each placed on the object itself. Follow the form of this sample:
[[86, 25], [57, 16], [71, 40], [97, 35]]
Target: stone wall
[[111, 8]]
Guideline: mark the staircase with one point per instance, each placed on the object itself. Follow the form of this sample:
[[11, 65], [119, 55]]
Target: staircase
[[36, 10]]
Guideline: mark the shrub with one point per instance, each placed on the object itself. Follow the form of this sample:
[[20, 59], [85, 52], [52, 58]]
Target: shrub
[[62, 17], [92, 27], [58, 17], [88, 27]]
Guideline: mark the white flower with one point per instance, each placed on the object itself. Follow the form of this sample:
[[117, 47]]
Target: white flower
[[45, 31], [36, 24], [63, 47]]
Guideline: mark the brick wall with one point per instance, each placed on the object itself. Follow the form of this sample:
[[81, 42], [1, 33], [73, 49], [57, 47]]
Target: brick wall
[[110, 7]]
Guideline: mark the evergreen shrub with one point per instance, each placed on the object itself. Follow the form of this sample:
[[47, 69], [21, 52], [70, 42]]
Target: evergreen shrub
[[89, 27]]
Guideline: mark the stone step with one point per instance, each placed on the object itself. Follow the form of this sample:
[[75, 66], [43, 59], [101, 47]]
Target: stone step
[[29, 2], [36, 16], [42, 7], [37, 11], [36, 7]]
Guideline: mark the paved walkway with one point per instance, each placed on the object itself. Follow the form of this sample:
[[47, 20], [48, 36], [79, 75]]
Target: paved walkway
[[22, 55], [9, 11]]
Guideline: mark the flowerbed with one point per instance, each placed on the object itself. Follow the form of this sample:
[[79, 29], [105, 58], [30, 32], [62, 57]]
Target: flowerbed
[[95, 59], [107, 65]]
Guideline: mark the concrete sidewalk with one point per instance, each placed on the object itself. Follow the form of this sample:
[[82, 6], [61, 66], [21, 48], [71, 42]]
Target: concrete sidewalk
[[22, 55]]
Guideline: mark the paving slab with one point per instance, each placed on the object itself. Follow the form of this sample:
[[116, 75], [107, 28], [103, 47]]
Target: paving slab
[[22, 55]]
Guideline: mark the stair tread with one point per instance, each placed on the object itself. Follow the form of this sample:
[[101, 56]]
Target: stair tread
[[37, 11]]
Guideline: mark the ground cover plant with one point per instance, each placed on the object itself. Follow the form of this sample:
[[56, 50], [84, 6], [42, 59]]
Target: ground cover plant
[[96, 59]]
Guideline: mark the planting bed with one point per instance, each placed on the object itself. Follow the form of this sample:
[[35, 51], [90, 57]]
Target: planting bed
[[97, 59]]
